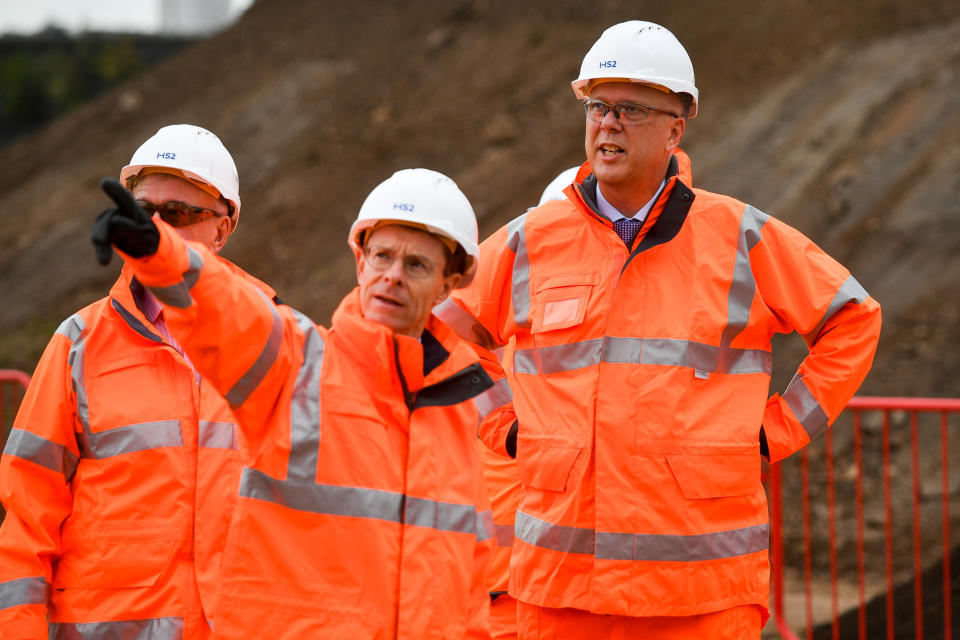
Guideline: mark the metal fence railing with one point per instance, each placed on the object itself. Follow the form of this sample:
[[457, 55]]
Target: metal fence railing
[[880, 514], [13, 384]]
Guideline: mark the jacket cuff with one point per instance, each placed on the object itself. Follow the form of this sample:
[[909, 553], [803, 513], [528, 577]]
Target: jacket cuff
[[783, 432], [167, 265]]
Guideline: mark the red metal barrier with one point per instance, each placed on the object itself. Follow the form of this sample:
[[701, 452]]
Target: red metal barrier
[[12, 385], [914, 407]]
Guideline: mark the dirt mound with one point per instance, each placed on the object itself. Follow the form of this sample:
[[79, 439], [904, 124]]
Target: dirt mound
[[820, 114]]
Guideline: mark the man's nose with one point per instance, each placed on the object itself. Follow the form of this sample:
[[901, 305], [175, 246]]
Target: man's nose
[[610, 120], [395, 272]]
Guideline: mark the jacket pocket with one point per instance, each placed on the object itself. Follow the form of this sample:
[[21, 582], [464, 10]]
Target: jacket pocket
[[715, 475], [561, 301], [113, 565], [545, 464]]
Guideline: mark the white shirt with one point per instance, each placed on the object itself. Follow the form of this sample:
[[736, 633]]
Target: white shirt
[[613, 214]]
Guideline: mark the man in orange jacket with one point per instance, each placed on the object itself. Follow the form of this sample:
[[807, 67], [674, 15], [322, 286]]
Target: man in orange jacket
[[642, 311], [361, 509], [121, 469]]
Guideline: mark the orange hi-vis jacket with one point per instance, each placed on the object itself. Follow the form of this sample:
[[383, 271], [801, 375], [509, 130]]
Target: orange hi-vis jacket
[[503, 484], [361, 510], [640, 383], [118, 478]]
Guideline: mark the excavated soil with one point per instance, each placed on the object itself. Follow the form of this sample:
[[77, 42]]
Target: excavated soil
[[840, 118]]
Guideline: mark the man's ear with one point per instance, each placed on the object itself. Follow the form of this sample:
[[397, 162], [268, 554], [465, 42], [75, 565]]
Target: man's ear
[[359, 259], [676, 133], [450, 283], [223, 232]]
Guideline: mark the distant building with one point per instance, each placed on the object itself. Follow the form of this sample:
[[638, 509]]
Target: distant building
[[191, 17]]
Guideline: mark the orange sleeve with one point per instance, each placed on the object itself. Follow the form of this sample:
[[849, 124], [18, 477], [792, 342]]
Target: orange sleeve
[[237, 338], [483, 315], [38, 463], [812, 294]]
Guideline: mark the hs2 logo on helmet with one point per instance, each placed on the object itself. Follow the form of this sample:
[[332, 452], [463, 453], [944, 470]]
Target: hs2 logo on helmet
[[403, 206], [608, 64]]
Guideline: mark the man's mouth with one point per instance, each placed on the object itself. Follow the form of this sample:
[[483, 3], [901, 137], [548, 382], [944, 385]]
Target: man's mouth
[[608, 150], [387, 301]]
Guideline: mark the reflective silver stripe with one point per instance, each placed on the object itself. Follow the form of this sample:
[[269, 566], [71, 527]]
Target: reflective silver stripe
[[849, 291], [696, 355], [484, 526], [808, 411], [575, 355], [679, 353], [72, 327], [553, 536], [305, 405], [151, 629], [504, 535], [322, 498], [642, 547], [494, 397], [443, 516], [357, 502], [14, 593], [258, 370], [463, 324], [134, 437], [39, 450], [525, 361], [677, 548], [178, 295], [76, 357], [520, 292], [743, 287], [217, 435], [649, 351]]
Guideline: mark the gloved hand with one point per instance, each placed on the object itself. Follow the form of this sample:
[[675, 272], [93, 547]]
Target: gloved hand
[[126, 226], [512, 439]]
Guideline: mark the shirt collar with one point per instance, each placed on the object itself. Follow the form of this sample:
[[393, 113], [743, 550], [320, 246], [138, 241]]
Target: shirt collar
[[613, 214], [147, 303]]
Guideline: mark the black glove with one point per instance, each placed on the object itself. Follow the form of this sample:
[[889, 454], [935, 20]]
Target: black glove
[[764, 447], [126, 226], [512, 439]]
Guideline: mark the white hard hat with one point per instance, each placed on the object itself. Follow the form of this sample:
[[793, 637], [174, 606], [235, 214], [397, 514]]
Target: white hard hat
[[426, 199], [642, 52], [195, 152], [554, 190]]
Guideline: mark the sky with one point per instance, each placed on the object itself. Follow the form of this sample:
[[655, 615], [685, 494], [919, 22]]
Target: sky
[[30, 16]]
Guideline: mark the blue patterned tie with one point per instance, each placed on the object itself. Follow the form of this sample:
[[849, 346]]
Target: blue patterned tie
[[627, 229]]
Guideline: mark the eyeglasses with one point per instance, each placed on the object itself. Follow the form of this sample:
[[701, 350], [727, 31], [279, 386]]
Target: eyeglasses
[[179, 214], [630, 112], [381, 259]]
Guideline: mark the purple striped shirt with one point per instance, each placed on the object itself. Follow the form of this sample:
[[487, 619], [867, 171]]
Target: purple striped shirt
[[153, 312]]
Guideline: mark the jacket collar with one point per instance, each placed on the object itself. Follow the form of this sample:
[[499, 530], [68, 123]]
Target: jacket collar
[[123, 300], [370, 341], [666, 217], [125, 291]]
